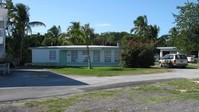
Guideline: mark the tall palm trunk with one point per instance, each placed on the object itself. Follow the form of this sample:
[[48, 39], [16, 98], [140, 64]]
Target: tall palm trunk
[[88, 52], [21, 47]]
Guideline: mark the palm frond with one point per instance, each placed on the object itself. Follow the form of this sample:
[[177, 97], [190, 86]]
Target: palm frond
[[36, 23]]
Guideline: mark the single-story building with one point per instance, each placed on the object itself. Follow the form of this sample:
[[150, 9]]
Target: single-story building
[[173, 50], [75, 55], [167, 50]]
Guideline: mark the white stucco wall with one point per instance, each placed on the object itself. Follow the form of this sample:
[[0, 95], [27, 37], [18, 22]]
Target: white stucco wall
[[3, 18], [42, 56]]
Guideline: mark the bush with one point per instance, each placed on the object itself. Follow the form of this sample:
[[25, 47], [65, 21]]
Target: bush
[[137, 53]]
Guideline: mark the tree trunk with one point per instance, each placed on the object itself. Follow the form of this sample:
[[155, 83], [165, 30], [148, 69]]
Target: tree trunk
[[21, 49], [88, 53]]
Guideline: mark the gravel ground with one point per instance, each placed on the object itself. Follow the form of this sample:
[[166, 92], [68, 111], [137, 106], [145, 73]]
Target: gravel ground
[[18, 108], [118, 103], [123, 104], [172, 96]]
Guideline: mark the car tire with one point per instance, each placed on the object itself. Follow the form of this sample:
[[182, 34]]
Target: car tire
[[184, 66], [195, 61], [170, 65]]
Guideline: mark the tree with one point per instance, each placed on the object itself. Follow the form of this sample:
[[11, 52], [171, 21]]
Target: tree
[[88, 31], [140, 26], [187, 26], [76, 34], [53, 36], [153, 31], [142, 29], [172, 37], [137, 52], [20, 24], [55, 31]]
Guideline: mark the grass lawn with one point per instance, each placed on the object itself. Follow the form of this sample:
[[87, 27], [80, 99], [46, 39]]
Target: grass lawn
[[107, 71], [193, 66], [143, 95]]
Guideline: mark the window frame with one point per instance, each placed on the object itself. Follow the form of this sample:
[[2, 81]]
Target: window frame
[[96, 56], [107, 56], [84, 56], [52, 55], [116, 55], [74, 58]]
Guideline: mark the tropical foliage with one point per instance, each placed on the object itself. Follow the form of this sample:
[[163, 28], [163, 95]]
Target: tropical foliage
[[184, 35], [138, 53], [19, 26], [142, 29]]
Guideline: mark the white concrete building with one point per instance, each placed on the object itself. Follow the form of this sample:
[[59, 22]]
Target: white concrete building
[[167, 50], [75, 55], [3, 23]]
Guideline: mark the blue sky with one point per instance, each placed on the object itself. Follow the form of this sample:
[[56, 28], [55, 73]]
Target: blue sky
[[103, 15]]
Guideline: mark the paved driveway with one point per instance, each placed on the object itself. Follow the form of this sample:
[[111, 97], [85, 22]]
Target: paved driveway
[[28, 84], [36, 78]]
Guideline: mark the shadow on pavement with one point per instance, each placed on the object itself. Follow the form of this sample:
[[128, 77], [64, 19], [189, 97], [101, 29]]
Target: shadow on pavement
[[35, 79]]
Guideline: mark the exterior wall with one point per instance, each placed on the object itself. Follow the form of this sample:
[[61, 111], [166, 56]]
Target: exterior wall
[[170, 52], [63, 57], [41, 57], [81, 63], [3, 22]]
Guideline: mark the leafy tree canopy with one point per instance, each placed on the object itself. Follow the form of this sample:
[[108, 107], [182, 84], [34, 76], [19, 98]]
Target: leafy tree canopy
[[186, 36]]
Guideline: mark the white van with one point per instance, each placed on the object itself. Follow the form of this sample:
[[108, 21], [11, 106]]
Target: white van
[[173, 60]]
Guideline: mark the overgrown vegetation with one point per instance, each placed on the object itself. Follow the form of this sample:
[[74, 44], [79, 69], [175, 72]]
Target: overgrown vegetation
[[184, 36], [138, 53]]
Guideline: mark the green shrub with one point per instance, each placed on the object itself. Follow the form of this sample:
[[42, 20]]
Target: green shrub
[[137, 53]]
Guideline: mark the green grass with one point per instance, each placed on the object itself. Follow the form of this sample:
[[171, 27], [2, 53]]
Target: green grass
[[181, 89], [60, 104], [55, 104], [107, 71], [193, 66]]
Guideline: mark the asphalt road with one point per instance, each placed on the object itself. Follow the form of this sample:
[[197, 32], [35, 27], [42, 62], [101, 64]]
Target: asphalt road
[[31, 84]]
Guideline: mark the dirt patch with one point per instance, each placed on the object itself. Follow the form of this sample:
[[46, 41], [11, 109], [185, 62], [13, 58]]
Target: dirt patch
[[124, 104], [17, 107]]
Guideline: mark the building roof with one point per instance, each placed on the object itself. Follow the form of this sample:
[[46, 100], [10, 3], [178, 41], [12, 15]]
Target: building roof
[[73, 47], [167, 48]]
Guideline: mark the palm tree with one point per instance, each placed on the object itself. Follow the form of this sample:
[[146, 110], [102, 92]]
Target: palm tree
[[173, 36], [54, 34], [87, 33], [76, 34], [54, 31], [20, 24], [153, 31], [140, 26]]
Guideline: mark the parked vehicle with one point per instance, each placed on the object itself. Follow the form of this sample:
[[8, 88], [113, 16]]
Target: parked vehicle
[[173, 60], [192, 59]]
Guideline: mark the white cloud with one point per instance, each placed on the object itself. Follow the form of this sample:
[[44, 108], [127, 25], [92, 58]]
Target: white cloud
[[104, 25]]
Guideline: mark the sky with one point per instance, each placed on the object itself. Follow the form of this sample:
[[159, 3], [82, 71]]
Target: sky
[[103, 15]]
